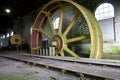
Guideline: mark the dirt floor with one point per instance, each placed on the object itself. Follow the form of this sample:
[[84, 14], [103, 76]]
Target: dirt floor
[[14, 70]]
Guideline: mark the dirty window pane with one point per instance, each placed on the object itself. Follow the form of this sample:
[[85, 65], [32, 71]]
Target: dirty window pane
[[104, 11]]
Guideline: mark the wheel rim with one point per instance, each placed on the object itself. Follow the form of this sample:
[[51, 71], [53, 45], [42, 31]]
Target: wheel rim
[[59, 38]]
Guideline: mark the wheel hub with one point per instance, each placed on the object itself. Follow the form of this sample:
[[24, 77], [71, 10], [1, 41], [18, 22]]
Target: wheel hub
[[57, 42]]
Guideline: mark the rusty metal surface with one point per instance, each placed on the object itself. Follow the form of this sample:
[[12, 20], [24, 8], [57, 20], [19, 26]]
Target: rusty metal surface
[[99, 68]]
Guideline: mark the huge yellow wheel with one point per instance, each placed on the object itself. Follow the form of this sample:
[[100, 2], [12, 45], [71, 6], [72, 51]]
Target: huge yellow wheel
[[62, 38], [16, 40]]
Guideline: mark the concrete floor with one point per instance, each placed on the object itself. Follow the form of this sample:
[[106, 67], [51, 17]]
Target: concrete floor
[[14, 70]]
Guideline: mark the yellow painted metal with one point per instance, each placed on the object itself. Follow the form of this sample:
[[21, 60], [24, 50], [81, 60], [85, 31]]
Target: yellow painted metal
[[61, 20], [16, 40], [71, 24], [77, 39], [71, 52], [51, 24], [46, 13], [37, 48], [35, 29], [54, 43], [50, 21], [45, 34], [94, 28], [62, 54]]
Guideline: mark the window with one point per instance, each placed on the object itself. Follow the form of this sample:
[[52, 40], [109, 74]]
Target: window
[[3, 37], [56, 23], [11, 33], [7, 35], [104, 11]]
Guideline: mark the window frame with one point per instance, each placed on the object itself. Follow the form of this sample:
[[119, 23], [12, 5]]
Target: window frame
[[101, 13]]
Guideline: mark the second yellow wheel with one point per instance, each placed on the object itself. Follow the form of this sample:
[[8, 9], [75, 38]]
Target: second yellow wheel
[[16, 40]]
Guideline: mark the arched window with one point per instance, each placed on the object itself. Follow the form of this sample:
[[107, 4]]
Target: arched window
[[104, 11], [56, 23], [3, 36], [11, 33], [7, 35]]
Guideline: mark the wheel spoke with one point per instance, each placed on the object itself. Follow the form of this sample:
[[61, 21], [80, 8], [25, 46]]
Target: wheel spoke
[[56, 54], [61, 20], [45, 34], [62, 54], [51, 24], [77, 39], [72, 23], [49, 21], [71, 52]]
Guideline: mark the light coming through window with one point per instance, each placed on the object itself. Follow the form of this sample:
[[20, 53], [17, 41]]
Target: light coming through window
[[104, 11]]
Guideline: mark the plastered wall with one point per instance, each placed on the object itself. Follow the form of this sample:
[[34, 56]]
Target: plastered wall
[[22, 26], [117, 21]]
